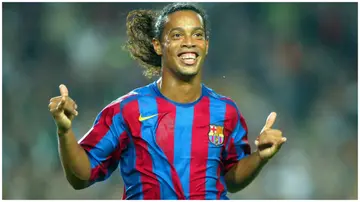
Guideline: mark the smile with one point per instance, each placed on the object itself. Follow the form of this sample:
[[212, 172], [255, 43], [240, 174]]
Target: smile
[[188, 58]]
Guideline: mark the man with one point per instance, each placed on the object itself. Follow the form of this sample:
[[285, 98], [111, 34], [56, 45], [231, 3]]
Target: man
[[174, 138]]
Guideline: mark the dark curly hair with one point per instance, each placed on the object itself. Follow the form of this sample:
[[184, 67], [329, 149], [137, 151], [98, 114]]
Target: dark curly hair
[[144, 25]]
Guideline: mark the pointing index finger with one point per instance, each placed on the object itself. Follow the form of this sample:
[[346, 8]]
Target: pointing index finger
[[63, 90]]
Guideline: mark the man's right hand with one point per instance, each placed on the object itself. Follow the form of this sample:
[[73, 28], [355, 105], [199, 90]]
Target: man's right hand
[[63, 109]]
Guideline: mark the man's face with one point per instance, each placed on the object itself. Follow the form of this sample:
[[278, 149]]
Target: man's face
[[183, 45]]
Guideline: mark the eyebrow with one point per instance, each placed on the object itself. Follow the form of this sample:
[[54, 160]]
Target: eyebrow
[[181, 29]]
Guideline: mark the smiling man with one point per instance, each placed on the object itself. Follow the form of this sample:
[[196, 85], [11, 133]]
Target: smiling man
[[174, 138]]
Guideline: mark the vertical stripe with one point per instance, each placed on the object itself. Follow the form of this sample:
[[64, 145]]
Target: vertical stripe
[[238, 135], [182, 147], [144, 161], [108, 142], [232, 155], [130, 174], [112, 163], [244, 140], [231, 122], [166, 141], [219, 184], [213, 185], [101, 143], [124, 144], [199, 149], [124, 193], [153, 136], [101, 126], [222, 181], [104, 169]]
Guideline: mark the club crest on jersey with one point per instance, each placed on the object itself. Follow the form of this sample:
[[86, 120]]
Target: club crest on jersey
[[216, 134]]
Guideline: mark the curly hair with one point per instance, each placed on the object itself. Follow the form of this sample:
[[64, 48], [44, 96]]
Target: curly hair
[[144, 25]]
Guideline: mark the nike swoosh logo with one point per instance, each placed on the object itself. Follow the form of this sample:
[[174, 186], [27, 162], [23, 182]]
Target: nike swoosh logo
[[146, 117]]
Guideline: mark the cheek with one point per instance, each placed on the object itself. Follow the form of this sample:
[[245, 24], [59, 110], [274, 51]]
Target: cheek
[[202, 46], [170, 50]]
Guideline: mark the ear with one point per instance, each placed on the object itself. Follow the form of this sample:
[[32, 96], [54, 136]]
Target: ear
[[207, 46], [157, 46]]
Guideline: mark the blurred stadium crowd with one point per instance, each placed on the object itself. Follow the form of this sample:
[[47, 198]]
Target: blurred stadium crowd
[[298, 59]]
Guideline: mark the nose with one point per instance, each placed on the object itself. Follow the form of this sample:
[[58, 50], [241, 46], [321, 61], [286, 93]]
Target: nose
[[187, 43]]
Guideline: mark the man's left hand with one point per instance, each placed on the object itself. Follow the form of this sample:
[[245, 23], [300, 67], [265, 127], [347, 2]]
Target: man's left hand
[[270, 140]]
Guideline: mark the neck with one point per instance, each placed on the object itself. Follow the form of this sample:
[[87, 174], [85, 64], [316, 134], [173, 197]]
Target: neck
[[178, 90]]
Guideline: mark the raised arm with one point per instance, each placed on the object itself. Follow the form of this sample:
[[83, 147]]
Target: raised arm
[[97, 154], [246, 169], [74, 159]]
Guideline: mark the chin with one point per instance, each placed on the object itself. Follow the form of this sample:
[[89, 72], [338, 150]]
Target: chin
[[188, 71]]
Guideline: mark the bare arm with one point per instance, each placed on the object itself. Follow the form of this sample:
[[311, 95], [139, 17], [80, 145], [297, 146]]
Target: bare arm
[[74, 159], [244, 172]]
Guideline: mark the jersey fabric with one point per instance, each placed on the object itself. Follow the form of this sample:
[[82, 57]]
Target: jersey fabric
[[167, 150]]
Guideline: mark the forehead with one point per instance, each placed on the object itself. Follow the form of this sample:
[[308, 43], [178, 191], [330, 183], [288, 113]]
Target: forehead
[[184, 19]]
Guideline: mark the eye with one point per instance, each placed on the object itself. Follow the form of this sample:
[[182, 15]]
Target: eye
[[176, 36], [199, 35]]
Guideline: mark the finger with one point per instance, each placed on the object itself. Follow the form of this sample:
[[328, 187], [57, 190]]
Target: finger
[[271, 138], [57, 108], [70, 107], [56, 113], [72, 113], [61, 104], [270, 120], [52, 105], [280, 142], [58, 99], [63, 90], [75, 112], [265, 146], [53, 99], [278, 146], [268, 141], [53, 111], [273, 133]]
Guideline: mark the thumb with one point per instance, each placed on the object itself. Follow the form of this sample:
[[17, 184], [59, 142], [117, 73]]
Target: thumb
[[270, 120], [63, 90]]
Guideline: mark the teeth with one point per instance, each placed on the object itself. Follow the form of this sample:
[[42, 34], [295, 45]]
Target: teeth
[[188, 56]]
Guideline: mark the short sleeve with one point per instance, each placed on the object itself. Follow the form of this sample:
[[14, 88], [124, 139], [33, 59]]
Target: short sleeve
[[237, 146], [104, 142]]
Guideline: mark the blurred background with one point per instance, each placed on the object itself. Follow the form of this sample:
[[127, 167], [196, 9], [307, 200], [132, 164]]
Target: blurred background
[[298, 59]]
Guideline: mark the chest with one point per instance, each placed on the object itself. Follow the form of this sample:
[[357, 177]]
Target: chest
[[196, 132]]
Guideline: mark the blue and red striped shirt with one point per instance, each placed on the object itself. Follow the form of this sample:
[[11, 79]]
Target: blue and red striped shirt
[[167, 150]]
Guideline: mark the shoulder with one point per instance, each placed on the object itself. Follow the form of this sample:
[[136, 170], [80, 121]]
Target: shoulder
[[233, 113], [231, 106], [130, 98]]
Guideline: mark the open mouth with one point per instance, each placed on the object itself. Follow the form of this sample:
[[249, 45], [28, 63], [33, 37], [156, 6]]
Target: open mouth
[[188, 58]]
